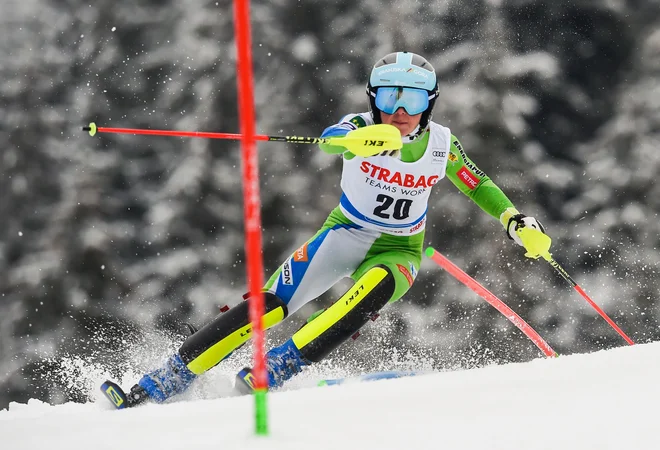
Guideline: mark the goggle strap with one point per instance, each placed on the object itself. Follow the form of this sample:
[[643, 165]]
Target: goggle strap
[[372, 92]]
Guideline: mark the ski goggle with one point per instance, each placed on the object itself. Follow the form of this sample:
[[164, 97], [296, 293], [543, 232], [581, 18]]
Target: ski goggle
[[414, 101]]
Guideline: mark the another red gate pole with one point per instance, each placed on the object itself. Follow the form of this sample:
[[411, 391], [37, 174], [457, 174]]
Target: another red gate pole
[[252, 206]]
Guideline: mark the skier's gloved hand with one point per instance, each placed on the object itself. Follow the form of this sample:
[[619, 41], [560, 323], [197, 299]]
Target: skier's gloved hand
[[536, 244], [512, 220]]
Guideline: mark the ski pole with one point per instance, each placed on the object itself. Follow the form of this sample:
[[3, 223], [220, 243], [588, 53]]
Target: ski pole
[[365, 141], [537, 245], [495, 302]]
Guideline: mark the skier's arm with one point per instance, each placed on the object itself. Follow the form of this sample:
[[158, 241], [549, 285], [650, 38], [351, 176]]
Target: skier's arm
[[337, 130], [474, 183], [348, 123]]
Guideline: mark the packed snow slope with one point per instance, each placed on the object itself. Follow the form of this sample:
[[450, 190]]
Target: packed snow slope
[[604, 400]]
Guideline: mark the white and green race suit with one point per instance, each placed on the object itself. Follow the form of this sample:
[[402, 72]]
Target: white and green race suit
[[381, 216]]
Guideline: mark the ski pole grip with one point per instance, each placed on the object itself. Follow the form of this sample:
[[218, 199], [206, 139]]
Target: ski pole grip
[[535, 242]]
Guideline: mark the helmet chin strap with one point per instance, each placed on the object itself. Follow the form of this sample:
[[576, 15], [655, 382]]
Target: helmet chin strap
[[414, 134]]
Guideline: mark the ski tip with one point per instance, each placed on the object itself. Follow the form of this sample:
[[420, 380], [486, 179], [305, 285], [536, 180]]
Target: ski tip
[[115, 394], [245, 381]]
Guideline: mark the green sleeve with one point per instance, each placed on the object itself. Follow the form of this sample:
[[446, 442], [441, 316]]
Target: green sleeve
[[336, 150], [332, 149], [474, 183]]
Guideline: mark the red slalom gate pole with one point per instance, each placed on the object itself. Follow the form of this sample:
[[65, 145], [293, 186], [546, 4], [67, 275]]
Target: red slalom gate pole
[[495, 302], [252, 208]]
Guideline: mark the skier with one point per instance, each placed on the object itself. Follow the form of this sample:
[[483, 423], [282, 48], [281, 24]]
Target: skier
[[375, 236]]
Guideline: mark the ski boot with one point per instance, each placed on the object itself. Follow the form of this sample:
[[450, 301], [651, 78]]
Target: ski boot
[[157, 386], [282, 363]]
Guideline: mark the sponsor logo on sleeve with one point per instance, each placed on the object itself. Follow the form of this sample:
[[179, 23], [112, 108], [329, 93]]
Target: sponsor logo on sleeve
[[468, 178], [358, 121], [287, 274], [404, 270], [300, 255], [452, 157], [469, 164]]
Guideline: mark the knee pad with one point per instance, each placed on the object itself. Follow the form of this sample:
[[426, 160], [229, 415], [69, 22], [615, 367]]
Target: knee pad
[[367, 296], [228, 331]]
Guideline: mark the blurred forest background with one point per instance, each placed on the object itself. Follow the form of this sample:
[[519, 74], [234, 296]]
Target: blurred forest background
[[109, 244]]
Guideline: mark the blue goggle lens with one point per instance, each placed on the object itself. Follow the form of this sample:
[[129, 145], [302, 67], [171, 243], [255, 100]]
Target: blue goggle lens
[[414, 101]]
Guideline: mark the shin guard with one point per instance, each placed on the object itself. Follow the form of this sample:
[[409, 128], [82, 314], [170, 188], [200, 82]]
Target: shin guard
[[228, 331], [366, 297]]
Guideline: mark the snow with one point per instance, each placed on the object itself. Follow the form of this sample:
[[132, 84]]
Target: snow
[[603, 400]]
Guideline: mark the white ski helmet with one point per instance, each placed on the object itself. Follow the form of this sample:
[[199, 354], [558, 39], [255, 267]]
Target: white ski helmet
[[395, 72]]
